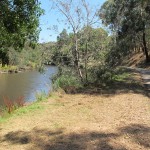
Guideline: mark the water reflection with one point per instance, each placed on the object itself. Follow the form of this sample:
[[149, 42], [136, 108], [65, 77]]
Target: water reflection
[[26, 84]]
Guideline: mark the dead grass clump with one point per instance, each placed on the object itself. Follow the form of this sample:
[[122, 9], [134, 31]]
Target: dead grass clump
[[11, 105]]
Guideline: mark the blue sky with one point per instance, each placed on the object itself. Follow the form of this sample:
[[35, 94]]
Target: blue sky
[[49, 19]]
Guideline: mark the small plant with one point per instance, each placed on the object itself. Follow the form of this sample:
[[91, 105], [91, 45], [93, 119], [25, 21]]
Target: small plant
[[40, 96], [11, 105], [20, 101]]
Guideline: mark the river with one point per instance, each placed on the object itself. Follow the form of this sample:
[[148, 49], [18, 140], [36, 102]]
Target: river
[[26, 84]]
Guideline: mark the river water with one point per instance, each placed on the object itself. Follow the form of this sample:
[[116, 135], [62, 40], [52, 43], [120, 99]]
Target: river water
[[26, 84]]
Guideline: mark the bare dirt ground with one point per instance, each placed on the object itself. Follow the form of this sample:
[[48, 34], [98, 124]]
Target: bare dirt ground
[[115, 118], [145, 75]]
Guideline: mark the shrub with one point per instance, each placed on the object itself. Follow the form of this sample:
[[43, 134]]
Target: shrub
[[107, 75], [66, 82], [101, 74]]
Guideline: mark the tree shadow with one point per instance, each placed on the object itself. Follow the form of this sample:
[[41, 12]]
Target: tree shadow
[[22, 137], [44, 139], [140, 134], [116, 88], [59, 140], [131, 84]]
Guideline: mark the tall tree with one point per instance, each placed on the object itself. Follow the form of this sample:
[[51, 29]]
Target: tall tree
[[128, 18], [19, 22], [78, 15]]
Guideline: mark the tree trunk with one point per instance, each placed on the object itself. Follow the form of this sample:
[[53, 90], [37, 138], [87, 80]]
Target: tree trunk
[[86, 75], [145, 49], [76, 61], [4, 59]]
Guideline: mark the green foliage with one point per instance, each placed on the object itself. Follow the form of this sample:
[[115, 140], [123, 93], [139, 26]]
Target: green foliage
[[66, 80], [19, 22], [28, 57], [92, 48], [105, 75], [129, 21], [27, 109], [21, 111], [41, 96], [6, 68], [100, 74]]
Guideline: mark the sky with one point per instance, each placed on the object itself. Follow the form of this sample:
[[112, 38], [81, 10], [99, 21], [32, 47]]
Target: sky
[[50, 20]]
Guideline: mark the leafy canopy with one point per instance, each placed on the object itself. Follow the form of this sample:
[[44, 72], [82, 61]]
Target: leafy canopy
[[19, 21]]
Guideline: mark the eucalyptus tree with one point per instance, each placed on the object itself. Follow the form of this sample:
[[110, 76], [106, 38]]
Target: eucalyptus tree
[[130, 20], [19, 22], [93, 48], [61, 53], [78, 15]]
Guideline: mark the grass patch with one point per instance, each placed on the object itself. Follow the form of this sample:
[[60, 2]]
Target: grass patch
[[121, 77], [36, 106], [27, 109], [41, 96], [4, 118], [21, 111]]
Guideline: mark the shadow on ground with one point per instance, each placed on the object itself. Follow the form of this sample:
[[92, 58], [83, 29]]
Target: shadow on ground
[[117, 88], [43, 139], [140, 134], [131, 84]]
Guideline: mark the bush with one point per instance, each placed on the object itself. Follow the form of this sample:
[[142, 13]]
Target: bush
[[107, 75], [68, 83], [101, 74]]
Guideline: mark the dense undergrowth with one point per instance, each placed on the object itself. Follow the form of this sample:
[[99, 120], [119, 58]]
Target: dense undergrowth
[[68, 81]]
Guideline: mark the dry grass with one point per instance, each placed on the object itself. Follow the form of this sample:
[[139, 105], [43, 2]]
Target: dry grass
[[100, 120]]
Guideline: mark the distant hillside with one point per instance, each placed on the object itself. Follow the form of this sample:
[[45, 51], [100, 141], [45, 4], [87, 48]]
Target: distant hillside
[[47, 45]]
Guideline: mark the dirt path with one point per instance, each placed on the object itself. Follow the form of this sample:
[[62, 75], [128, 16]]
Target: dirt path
[[145, 76], [82, 122]]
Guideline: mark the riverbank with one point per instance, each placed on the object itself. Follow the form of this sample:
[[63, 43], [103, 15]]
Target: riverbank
[[116, 118], [27, 84], [14, 69]]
